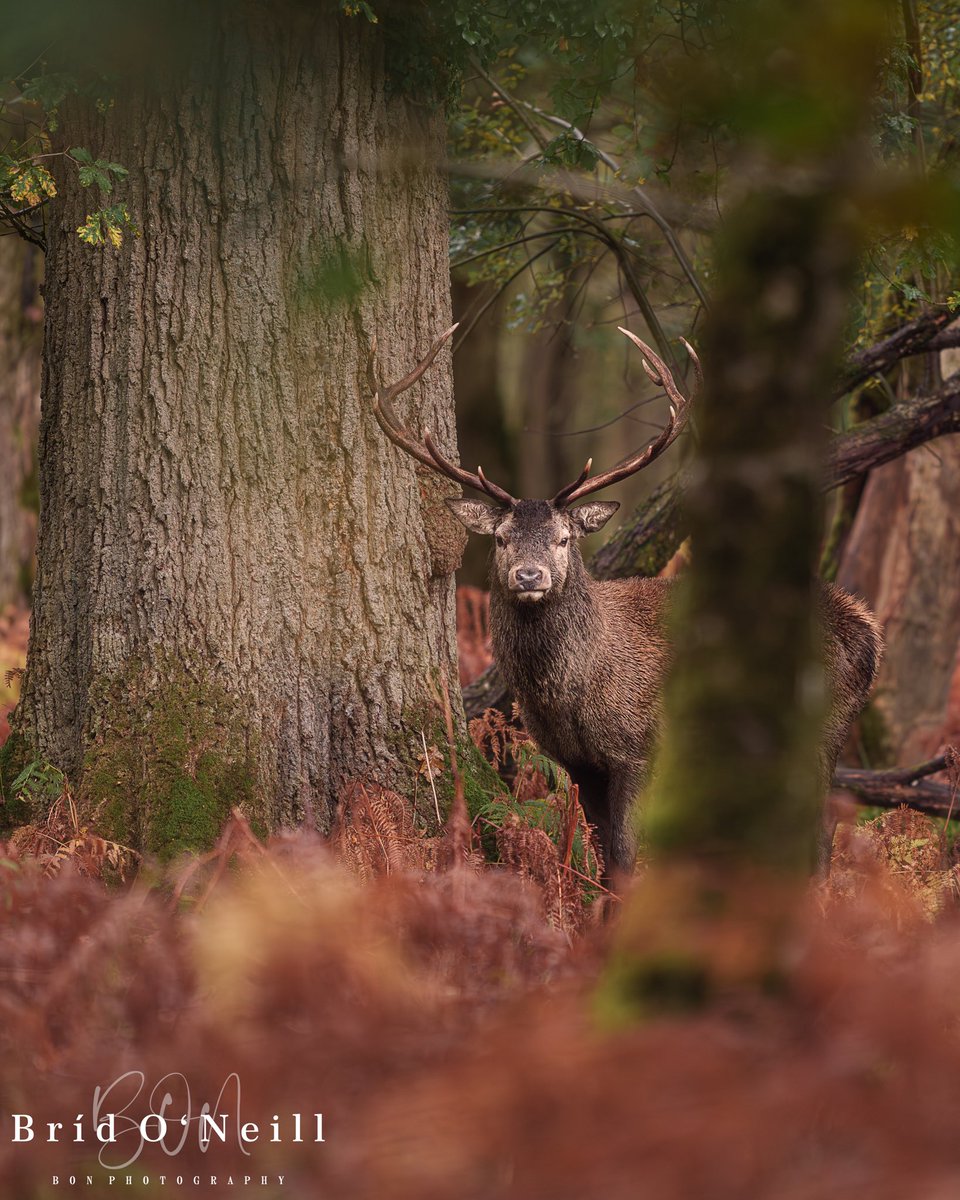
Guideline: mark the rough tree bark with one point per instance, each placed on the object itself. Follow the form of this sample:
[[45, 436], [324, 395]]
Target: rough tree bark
[[903, 556], [20, 339], [225, 534]]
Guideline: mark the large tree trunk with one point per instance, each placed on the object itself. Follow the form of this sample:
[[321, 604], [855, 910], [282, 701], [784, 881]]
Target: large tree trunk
[[231, 556], [903, 556], [19, 415]]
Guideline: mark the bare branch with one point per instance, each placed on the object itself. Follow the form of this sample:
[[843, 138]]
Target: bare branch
[[659, 374], [926, 332]]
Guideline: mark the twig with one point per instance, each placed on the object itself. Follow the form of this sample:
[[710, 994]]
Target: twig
[[649, 208], [426, 759]]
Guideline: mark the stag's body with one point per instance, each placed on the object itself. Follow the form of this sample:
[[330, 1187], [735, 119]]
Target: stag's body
[[587, 664], [587, 659]]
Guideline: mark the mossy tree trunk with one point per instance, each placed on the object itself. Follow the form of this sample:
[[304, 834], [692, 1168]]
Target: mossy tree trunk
[[219, 510], [731, 823], [739, 768], [732, 819], [20, 339]]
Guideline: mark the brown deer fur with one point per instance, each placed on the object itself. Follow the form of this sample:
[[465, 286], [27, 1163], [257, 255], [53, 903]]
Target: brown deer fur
[[586, 659]]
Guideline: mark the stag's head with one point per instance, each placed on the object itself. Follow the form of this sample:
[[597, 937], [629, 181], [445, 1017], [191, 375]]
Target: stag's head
[[534, 540]]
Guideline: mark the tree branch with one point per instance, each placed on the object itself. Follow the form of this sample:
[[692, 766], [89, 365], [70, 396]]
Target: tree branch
[[521, 109], [926, 332], [641, 198], [617, 245], [899, 429], [903, 785]]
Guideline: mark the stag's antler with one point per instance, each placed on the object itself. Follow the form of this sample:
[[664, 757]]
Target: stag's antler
[[424, 451], [660, 374]]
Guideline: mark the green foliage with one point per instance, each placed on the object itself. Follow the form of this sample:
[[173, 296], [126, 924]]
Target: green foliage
[[96, 171], [15, 757], [651, 98], [37, 786], [29, 114], [431, 46], [568, 150], [49, 90], [107, 225], [540, 801]]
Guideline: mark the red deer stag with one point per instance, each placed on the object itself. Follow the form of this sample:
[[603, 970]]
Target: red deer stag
[[586, 658]]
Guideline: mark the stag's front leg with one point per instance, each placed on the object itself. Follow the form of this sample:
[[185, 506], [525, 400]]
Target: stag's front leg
[[827, 827], [593, 785], [607, 798], [626, 783]]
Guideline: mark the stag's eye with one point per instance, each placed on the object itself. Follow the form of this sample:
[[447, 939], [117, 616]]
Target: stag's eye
[[563, 541], [501, 540]]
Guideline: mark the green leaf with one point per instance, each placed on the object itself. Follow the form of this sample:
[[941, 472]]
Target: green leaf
[[571, 151], [49, 91]]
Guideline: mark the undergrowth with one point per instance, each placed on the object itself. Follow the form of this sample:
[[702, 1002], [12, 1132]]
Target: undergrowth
[[437, 1012], [432, 994]]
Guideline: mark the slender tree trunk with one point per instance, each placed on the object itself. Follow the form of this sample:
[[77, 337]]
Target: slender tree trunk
[[731, 820], [20, 338], [224, 530]]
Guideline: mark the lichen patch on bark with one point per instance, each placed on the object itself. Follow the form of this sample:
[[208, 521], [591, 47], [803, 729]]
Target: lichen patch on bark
[[170, 757]]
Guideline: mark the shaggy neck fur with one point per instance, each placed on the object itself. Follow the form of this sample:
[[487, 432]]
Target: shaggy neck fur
[[541, 646]]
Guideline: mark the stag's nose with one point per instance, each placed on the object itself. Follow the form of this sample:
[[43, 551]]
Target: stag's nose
[[529, 579]]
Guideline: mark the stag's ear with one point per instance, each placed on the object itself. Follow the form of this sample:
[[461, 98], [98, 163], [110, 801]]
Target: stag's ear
[[588, 518], [477, 516]]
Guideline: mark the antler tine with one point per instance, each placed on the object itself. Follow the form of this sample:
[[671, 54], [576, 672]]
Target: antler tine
[[424, 451], [561, 496], [658, 371], [383, 397], [494, 489], [697, 369]]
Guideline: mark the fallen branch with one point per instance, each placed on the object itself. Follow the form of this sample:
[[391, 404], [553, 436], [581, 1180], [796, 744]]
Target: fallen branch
[[894, 432], [903, 785]]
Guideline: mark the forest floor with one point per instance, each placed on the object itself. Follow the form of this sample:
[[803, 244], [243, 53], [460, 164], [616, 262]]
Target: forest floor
[[442, 1014]]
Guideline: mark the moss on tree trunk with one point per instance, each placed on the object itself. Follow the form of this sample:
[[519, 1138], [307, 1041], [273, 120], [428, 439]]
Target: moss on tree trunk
[[732, 817]]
